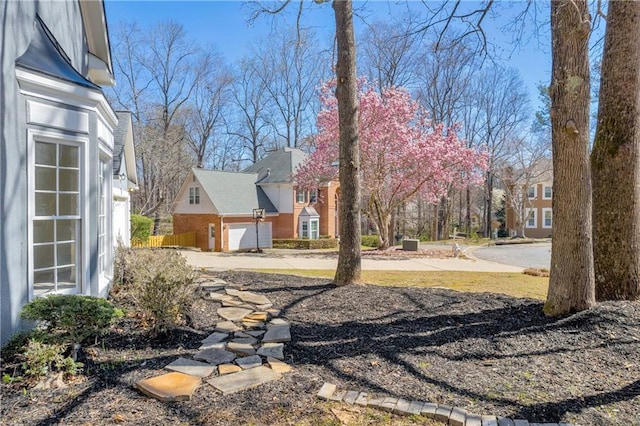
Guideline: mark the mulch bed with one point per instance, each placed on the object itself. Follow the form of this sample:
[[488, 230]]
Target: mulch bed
[[486, 353]]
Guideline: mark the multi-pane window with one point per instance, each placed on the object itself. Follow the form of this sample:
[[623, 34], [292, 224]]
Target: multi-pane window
[[313, 196], [531, 192], [194, 195], [56, 220], [531, 218], [305, 229], [314, 230], [102, 217], [300, 196], [548, 218], [548, 192]]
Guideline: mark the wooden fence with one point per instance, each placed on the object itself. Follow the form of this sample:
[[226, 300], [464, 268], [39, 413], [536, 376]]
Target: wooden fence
[[188, 239]]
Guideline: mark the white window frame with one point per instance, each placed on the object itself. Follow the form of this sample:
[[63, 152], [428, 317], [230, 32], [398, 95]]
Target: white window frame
[[105, 202], [535, 192], [314, 234], [544, 192], [194, 195], [544, 217], [79, 142], [300, 196], [529, 216], [313, 196], [304, 229]]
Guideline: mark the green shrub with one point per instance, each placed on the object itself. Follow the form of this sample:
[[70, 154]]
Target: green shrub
[[71, 318], [156, 283], [42, 358], [305, 243], [140, 228], [370, 241]]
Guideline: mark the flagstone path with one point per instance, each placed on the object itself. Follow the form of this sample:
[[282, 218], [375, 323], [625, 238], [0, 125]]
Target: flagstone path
[[245, 350]]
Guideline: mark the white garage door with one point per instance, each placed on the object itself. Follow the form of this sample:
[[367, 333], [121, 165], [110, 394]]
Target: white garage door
[[242, 236]]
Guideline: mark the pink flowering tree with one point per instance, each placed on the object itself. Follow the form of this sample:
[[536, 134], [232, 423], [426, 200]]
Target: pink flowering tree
[[402, 154]]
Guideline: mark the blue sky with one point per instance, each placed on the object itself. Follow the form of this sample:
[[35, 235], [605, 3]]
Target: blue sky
[[224, 24]]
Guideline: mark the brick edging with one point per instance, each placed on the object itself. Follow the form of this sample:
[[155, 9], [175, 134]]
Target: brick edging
[[453, 416]]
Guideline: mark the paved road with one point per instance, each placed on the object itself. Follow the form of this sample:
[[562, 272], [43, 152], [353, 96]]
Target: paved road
[[536, 255], [301, 260]]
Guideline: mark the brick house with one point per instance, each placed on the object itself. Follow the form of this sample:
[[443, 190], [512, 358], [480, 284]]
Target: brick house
[[538, 211], [219, 206]]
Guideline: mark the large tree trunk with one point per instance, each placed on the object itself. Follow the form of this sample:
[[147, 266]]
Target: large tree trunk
[[615, 163], [349, 259], [571, 281]]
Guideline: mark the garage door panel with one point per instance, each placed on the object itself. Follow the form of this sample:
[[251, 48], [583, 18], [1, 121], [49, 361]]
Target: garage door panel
[[242, 236]]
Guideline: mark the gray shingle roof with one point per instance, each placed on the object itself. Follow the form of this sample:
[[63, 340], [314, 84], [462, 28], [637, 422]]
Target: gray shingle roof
[[119, 137], [281, 164], [233, 193]]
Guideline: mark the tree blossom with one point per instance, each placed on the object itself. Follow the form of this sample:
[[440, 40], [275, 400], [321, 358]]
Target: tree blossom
[[402, 154]]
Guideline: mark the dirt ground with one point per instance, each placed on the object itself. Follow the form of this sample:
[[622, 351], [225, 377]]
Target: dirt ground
[[485, 353]]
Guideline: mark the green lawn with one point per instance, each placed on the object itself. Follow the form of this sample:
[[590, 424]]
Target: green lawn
[[512, 284]]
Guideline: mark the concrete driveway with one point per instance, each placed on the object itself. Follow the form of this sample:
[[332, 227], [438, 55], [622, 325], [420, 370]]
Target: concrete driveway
[[289, 259]]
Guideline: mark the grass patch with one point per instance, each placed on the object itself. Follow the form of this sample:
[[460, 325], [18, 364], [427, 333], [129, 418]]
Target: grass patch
[[512, 284]]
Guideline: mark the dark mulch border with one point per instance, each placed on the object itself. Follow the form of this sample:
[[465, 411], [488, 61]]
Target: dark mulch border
[[486, 353]]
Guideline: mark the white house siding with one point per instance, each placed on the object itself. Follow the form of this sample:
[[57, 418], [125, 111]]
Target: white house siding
[[281, 195], [29, 114], [182, 201]]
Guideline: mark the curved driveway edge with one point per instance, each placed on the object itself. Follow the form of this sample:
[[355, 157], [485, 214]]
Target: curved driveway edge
[[298, 260]]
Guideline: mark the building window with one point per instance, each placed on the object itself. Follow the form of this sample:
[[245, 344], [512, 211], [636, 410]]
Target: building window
[[102, 217], [194, 195], [313, 196], [531, 192], [531, 218], [56, 218], [547, 215], [300, 196], [548, 192], [314, 230], [305, 230]]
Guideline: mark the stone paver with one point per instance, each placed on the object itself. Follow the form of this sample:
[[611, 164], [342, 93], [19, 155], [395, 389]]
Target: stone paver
[[255, 333], [443, 412], [227, 327], [219, 297], [231, 303], [489, 421], [246, 379], [277, 321], [273, 350], [170, 387], [326, 391], [278, 366], [429, 410], [242, 349], [474, 420], [233, 314], [249, 362], [415, 407], [257, 316], [220, 345], [228, 369], [191, 367], [215, 356], [389, 404], [362, 399], [245, 340], [402, 407], [215, 338], [520, 422], [457, 417], [256, 299], [277, 334], [350, 397], [337, 396], [504, 421], [253, 324]]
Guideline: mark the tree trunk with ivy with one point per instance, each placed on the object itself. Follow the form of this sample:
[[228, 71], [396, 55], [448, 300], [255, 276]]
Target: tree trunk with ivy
[[349, 259], [615, 159], [571, 281]]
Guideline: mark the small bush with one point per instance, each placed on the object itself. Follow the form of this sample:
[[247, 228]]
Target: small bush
[[305, 243], [140, 228], [71, 318], [370, 241], [155, 283], [43, 358], [536, 272]]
